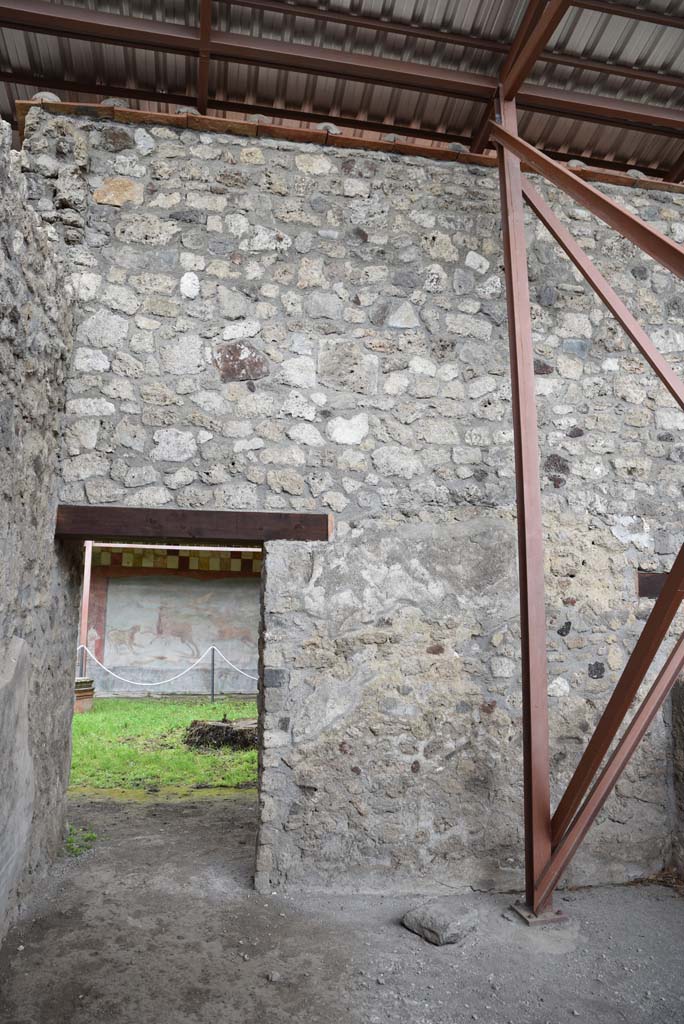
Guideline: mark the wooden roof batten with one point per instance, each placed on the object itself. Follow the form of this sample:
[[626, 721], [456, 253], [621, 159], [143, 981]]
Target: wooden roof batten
[[206, 44]]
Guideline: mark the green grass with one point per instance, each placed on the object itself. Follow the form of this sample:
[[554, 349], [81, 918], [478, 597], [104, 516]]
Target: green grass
[[78, 841], [138, 744]]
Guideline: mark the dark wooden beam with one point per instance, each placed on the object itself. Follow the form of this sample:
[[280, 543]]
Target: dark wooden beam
[[114, 522]]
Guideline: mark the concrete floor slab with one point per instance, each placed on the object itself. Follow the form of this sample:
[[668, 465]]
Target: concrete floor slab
[[158, 925]]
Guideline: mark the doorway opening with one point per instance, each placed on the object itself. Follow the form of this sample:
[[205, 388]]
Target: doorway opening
[[169, 607], [166, 691]]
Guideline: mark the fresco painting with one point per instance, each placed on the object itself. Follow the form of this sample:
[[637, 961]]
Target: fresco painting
[[156, 626]]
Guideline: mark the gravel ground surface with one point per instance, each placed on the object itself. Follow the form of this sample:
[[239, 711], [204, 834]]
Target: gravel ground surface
[[157, 924]]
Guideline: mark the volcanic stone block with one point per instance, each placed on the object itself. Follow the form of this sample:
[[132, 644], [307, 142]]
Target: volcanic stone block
[[441, 922], [238, 361]]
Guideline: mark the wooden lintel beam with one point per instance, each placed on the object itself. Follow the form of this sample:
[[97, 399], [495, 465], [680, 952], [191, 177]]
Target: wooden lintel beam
[[113, 522]]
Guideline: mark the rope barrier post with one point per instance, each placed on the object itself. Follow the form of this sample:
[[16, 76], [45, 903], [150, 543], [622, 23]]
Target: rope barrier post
[[212, 675], [85, 600]]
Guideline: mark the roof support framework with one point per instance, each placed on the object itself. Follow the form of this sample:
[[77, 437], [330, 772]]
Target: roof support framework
[[206, 46], [590, 786]]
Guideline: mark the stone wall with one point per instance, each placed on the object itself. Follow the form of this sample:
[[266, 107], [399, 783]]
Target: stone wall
[[38, 600], [270, 325]]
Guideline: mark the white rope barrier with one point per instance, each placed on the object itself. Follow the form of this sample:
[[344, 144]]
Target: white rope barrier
[[161, 682]]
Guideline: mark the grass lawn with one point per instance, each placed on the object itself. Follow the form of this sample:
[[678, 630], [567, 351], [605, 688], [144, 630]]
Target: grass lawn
[[128, 744]]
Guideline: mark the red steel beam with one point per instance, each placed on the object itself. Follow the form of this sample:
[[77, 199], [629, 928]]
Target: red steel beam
[[39, 16], [537, 807], [608, 295], [381, 127], [539, 22], [354, 66], [616, 764], [463, 40], [285, 113], [635, 13], [621, 70], [367, 24], [654, 632], [182, 99], [602, 110], [80, 23], [676, 173], [203, 59], [531, 14], [662, 249], [62, 85], [516, 70]]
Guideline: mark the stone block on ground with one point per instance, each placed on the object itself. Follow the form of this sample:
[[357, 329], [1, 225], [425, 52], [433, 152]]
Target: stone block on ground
[[441, 922]]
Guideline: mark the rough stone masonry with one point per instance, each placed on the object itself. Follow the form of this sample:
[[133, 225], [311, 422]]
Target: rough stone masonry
[[38, 595], [264, 324]]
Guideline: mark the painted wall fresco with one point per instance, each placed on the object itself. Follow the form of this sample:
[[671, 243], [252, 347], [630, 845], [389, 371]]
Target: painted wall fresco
[[157, 626]]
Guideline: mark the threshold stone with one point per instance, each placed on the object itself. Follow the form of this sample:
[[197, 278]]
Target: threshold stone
[[440, 922]]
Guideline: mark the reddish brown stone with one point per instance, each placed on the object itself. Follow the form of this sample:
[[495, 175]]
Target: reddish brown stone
[[236, 360]]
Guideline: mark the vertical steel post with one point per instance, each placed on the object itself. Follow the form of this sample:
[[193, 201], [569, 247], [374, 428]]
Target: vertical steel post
[[85, 600], [212, 673], [528, 500], [203, 56]]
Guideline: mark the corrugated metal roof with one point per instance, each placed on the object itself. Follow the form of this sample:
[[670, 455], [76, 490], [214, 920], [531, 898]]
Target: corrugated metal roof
[[582, 33]]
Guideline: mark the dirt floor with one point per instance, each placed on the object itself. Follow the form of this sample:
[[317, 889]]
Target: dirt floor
[[157, 924]]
